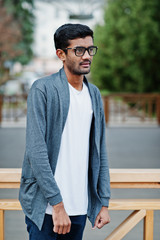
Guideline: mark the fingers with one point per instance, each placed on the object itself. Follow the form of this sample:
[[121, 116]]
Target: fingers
[[55, 229], [61, 221], [101, 221], [100, 224], [62, 228], [68, 228], [96, 222]]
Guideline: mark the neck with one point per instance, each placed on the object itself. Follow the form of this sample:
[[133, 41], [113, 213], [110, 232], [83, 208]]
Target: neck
[[75, 80]]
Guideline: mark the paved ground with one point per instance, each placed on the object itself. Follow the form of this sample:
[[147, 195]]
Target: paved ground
[[127, 148]]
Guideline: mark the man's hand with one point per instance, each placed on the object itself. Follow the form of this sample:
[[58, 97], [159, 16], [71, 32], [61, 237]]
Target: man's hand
[[102, 218], [61, 221]]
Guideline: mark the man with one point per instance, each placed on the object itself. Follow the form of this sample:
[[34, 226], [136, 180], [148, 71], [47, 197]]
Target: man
[[65, 175]]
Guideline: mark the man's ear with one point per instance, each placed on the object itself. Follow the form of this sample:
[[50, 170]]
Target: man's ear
[[61, 54]]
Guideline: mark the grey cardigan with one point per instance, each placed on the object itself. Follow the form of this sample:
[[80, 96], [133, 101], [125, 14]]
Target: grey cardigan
[[48, 104]]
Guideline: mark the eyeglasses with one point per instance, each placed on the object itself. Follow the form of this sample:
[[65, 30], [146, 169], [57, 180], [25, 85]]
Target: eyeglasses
[[80, 51]]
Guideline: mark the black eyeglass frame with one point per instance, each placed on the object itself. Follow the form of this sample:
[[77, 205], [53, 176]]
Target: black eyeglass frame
[[85, 49]]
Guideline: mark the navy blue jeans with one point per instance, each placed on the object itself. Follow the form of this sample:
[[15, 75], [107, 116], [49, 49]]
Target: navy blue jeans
[[46, 233]]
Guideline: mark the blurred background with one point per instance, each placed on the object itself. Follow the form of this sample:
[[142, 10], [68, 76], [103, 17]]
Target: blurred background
[[126, 69]]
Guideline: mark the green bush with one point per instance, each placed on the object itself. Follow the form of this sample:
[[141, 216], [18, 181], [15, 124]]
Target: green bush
[[128, 57]]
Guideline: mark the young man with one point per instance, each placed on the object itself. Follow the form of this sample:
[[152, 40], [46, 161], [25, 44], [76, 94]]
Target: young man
[[65, 175]]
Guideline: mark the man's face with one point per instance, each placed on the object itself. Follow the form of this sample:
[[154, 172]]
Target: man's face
[[75, 64]]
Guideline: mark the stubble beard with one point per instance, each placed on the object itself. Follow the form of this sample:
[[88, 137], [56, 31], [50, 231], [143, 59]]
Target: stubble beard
[[74, 70], [80, 72]]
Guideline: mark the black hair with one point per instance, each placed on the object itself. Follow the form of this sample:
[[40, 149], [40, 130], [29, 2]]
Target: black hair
[[69, 32]]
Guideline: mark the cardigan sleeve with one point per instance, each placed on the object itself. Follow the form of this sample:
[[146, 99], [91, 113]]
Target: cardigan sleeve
[[104, 177], [36, 147]]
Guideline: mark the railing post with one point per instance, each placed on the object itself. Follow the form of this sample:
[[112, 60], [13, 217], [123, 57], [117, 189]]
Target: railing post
[[130, 222], [158, 110], [1, 103], [106, 109], [1, 225], [148, 225]]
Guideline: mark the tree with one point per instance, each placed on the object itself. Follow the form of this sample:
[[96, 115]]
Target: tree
[[10, 36], [22, 11], [16, 29], [128, 57]]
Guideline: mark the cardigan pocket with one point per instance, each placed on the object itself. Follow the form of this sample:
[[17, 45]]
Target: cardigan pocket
[[28, 192]]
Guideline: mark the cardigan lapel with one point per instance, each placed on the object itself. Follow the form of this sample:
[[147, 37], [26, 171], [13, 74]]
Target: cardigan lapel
[[92, 95], [94, 106], [61, 84]]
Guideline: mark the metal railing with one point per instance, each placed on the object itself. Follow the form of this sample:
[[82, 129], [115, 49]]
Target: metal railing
[[13, 108], [125, 107], [119, 108]]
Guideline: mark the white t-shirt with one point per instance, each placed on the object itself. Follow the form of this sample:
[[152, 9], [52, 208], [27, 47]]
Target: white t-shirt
[[71, 172]]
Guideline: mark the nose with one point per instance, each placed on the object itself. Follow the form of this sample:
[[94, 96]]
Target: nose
[[86, 55]]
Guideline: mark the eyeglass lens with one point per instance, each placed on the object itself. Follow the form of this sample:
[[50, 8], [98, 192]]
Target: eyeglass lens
[[79, 51]]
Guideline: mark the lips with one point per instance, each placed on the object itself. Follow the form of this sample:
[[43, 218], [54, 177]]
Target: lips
[[85, 64]]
